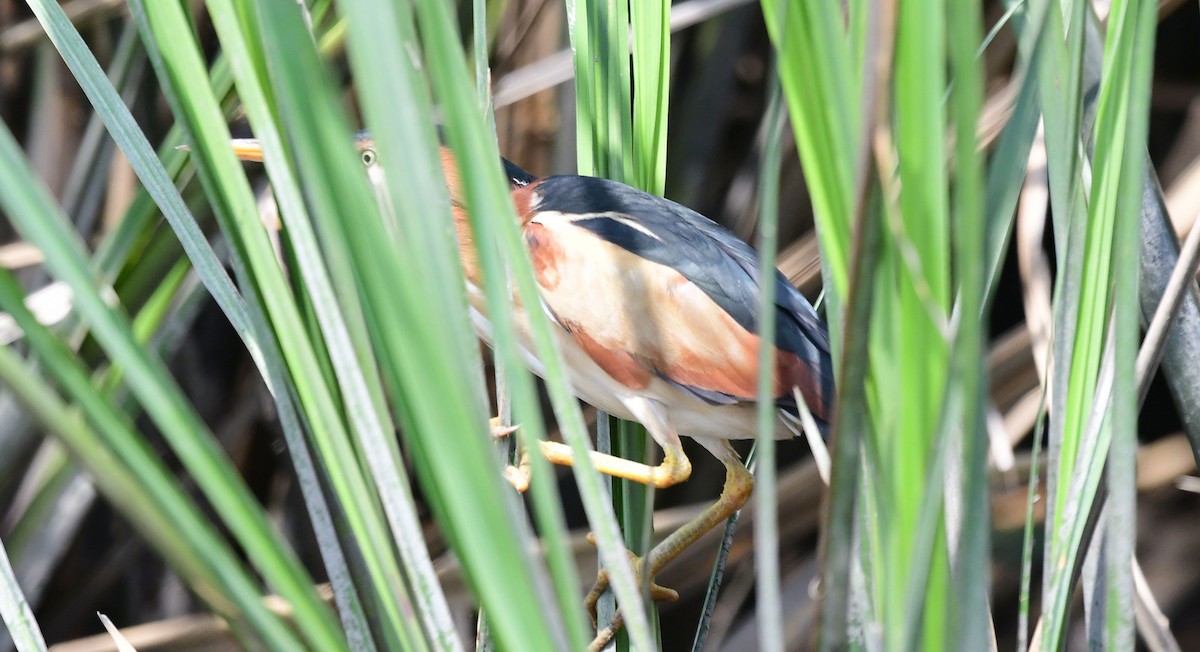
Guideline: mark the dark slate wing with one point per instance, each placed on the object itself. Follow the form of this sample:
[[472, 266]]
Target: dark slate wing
[[517, 177], [717, 262]]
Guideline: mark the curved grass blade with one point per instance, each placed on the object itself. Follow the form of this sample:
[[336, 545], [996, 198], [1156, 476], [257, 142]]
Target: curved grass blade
[[622, 136], [353, 363], [132, 476], [35, 215], [116, 246], [651, 78], [15, 611], [178, 63], [816, 68], [768, 594], [427, 376], [1105, 315], [968, 494], [145, 162], [492, 221], [484, 220]]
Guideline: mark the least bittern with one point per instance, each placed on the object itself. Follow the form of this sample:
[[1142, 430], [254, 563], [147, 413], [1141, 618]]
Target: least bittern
[[657, 315]]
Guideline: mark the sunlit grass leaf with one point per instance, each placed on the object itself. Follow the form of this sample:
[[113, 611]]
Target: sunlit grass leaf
[[466, 487], [923, 375], [1107, 330], [817, 69], [968, 524], [344, 333], [15, 612], [35, 215], [137, 149], [621, 117], [766, 498], [131, 475]]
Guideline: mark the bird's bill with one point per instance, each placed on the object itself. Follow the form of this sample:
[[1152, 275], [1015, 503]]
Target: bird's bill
[[247, 149]]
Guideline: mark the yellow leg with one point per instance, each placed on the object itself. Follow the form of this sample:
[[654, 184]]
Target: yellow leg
[[739, 484], [675, 467]]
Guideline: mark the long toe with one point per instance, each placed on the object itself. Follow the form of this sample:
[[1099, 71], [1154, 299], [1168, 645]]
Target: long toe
[[499, 430], [517, 476], [658, 593]]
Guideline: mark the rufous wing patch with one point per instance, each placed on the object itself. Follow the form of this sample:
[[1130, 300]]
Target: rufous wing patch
[[546, 254], [695, 342], [621, 365], [523, 199]]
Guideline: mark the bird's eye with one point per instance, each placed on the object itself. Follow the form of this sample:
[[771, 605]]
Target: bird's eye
[[368, 157]]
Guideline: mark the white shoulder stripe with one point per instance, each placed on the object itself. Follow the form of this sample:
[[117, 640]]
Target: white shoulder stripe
[[548, 217]]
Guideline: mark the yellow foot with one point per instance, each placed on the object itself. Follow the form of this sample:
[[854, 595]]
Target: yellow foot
[[499, 430], [518, 475], [603, 636], [738, 486], [657, 593]]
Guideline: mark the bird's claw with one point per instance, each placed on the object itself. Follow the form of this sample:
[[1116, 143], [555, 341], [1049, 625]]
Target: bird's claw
[[499, 430], [603, 636], [517, 475], [657, 593]]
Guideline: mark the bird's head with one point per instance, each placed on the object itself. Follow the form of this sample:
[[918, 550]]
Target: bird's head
[[249, 149]]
